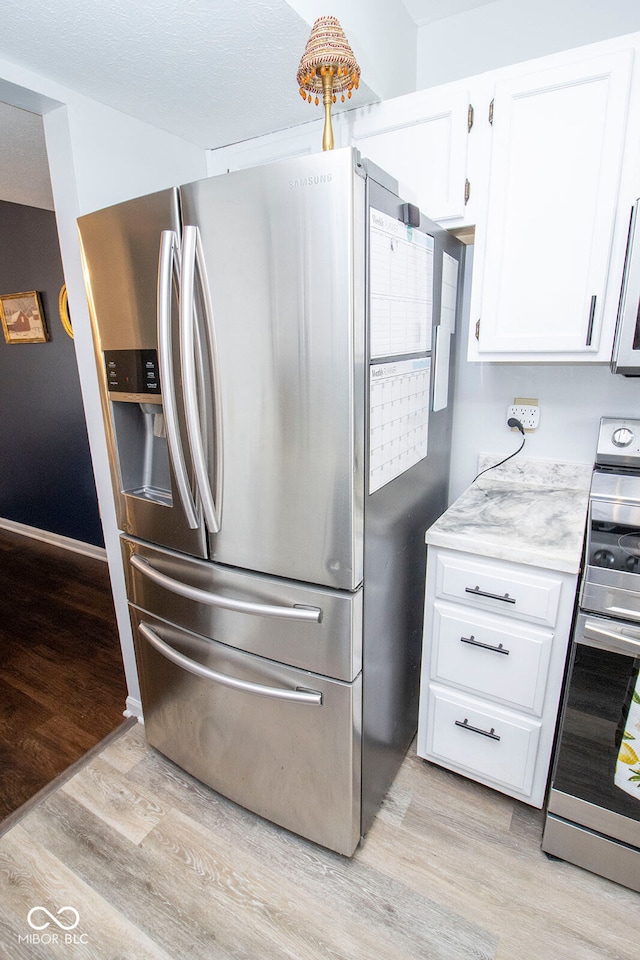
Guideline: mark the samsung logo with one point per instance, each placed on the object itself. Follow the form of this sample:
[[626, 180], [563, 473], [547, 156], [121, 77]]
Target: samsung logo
[[310, 181]]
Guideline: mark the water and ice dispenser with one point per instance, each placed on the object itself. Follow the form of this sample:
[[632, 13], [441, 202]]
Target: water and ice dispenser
[[138, 421]]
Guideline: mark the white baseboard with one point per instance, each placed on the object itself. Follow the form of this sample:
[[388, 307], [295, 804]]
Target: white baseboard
[[134, 709], [77, 546]]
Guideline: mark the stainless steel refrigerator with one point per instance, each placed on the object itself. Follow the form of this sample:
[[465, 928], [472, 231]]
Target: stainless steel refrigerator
[[266, 345]]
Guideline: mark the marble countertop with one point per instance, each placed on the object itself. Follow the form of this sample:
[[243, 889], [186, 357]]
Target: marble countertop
[[526, 511]]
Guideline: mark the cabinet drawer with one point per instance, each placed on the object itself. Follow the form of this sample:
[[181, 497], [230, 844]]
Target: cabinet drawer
[[504, 588], [481, 739], [499, 658]]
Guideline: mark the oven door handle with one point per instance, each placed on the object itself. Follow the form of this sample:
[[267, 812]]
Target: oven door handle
[[595, 635]]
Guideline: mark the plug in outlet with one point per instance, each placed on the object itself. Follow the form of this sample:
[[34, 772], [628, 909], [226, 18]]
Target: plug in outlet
[[526, 411]]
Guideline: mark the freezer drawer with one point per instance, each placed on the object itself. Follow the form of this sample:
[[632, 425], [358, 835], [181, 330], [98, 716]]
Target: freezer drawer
[[315, 628], [279, 741]]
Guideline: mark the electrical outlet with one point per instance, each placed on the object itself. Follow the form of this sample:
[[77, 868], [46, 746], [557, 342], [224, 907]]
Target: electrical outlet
[[527, 411]]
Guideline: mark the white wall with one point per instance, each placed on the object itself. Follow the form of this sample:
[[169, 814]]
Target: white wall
[[510, 31], [572, 398], [98, 157]]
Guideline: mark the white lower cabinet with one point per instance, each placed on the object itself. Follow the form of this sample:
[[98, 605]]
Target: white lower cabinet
[[495, 643], [488, 743]]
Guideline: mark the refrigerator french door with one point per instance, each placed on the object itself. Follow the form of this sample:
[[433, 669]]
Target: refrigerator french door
[[273, 516]]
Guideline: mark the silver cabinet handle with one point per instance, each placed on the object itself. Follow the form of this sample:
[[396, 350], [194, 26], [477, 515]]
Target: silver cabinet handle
[[310, 697], [485, 646], [308, 614], [477, 592], [491, 734], [168, 269], [192, 257]]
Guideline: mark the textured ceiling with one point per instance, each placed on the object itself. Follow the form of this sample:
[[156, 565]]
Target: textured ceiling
[[211, 71]]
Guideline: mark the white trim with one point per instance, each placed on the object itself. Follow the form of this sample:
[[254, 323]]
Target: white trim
[[77, 546], [134, 709]]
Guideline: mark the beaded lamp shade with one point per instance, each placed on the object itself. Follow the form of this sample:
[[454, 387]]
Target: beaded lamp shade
[[327, 67]]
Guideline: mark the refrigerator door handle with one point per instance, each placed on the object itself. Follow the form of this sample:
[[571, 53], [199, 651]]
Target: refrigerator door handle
[[310, 697], [308, 614], [192, 259], [168, 270]]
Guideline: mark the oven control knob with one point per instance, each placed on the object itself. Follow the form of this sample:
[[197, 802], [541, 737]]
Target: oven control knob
[[622, 437], [603, 558]]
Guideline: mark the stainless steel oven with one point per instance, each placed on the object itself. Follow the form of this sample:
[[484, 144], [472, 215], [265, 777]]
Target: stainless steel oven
[[593, 810]]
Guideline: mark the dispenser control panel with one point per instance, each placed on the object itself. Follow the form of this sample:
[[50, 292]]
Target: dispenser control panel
[[132, 372]]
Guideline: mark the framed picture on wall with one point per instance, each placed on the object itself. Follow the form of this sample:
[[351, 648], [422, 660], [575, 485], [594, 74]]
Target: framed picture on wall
[[23, 318]]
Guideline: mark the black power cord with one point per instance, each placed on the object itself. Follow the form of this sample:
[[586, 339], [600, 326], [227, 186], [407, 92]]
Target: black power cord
[[511, 422]]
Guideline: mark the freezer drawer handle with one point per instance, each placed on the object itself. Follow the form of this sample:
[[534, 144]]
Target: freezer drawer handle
[[311, 697], [477, 592], [485, 646], [309, 614], [491, 734]]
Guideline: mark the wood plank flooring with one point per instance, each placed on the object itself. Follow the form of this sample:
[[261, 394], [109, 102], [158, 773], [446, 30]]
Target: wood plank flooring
[[62, 686], [159, 867]]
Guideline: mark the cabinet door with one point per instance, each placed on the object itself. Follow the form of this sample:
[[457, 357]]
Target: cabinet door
[[421, 140], [543, 251]]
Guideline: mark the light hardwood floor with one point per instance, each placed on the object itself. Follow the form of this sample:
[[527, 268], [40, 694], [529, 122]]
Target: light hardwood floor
[[159, 867]]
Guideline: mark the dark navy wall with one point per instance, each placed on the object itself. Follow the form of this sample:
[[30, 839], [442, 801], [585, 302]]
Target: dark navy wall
[[46, 478]]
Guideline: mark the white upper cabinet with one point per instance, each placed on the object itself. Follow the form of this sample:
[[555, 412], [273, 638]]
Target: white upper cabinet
[[421, 140], [547, 184], [544, 244]]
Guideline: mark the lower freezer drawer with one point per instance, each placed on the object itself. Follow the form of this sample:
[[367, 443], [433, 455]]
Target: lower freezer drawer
[[279, 741]]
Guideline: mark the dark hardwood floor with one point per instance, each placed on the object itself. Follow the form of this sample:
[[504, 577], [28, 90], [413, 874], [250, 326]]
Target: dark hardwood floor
[[62, 686]]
